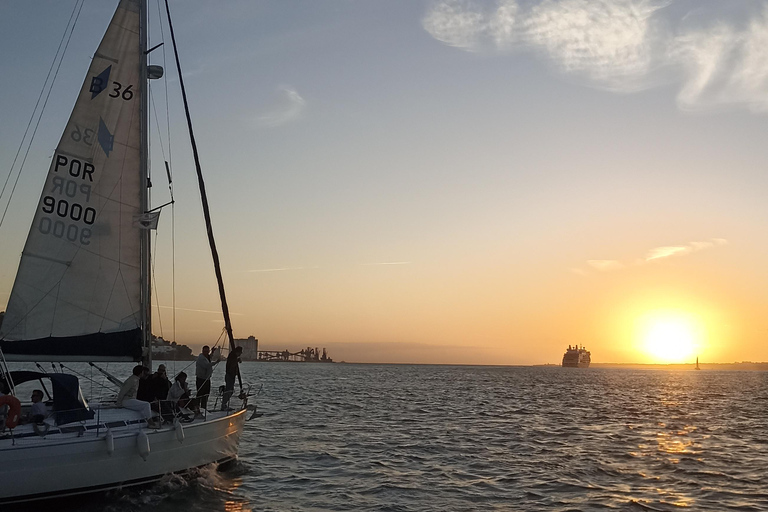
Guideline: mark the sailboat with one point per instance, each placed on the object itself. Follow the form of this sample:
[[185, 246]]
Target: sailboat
[[82, 294]]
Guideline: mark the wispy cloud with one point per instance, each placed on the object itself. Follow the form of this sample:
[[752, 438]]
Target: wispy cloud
[[624, 45], [280, 269], [198, 310], [387, 263], [680, 250], [665, 252], [287, 106], [724, 65], [457, 23], [653, 255], [606, 40], [604, 265]]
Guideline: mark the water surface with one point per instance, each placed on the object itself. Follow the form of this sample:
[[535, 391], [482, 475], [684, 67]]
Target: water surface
[[451, 438]]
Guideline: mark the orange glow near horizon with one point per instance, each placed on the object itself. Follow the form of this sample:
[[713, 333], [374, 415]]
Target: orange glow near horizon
[[670, 336]]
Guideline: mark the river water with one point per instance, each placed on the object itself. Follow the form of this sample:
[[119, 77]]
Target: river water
[[454, 438]]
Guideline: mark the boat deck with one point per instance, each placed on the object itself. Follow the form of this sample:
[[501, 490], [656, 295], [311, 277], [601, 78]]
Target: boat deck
[[107, 417]]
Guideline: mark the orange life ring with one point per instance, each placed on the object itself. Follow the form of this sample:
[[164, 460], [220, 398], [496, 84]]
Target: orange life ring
[[14, 410]]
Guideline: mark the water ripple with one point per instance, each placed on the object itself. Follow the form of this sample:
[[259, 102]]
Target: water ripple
[[441, 438]]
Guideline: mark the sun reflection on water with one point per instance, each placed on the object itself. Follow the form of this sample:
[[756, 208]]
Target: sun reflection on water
[[677, 442], [237, 506], [667, 443]]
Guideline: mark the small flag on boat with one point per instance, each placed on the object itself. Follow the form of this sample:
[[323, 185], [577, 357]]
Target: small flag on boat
[[146, 220]]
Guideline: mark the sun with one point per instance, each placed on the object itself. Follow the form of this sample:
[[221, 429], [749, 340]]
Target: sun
[[670, 337]]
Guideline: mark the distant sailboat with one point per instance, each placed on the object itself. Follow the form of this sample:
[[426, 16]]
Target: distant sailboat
[[697, 364]]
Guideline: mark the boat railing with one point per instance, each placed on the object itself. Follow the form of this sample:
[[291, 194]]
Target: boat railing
[[243, 396]]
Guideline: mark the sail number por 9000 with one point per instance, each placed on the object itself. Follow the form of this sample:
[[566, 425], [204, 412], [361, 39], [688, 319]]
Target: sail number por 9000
[[65, 210], [68, 211]]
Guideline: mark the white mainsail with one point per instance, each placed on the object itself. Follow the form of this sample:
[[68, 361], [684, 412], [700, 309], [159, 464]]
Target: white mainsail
[[79, 275]]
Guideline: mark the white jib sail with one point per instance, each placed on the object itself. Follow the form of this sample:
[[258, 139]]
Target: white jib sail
[[79, 272]]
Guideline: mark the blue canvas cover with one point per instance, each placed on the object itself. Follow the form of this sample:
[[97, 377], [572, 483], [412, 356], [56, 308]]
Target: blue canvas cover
[[68, 402]]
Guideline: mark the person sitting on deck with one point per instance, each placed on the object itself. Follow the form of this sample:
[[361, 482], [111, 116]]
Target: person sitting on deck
[[127, 396], [179, 394], [154, 388], [160, 383], [38, 412]]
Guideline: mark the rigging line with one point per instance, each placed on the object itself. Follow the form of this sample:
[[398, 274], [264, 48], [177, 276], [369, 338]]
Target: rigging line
[[104, 381], [34, 132], [50, 396], [168, 168], [81, 374], [157, 121], [173, 267], [6, 373], [165, 85], [157, 298], [204, 198], [223, 331], [39, 97], [153, 260]]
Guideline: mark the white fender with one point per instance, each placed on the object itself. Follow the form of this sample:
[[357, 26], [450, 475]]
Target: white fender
[[110, 439], [142, 444], [179, 431]]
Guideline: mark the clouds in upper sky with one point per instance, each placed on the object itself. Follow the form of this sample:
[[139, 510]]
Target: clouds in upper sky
[[287, 106], [717, 51], [653, 255]]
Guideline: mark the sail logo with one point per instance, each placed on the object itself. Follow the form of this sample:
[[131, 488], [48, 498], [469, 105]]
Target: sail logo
[[99, 83], [106, 139]]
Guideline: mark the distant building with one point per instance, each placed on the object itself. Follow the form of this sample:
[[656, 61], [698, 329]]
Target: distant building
[[251, 352], [250, 348], [170, 350]]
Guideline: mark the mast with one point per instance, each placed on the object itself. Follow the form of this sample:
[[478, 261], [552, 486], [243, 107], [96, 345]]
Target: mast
[[146, 305]]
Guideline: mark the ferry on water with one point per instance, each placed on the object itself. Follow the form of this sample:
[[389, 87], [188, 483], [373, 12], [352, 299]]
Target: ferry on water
[[576, 357]]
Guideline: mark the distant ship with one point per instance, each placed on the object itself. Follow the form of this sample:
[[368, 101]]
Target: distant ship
[[576, 357]]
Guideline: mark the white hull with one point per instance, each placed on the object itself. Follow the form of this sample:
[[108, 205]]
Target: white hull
[[39, 468]]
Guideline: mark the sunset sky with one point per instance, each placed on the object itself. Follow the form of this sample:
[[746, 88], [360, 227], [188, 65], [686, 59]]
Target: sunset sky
[[479, 182]]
